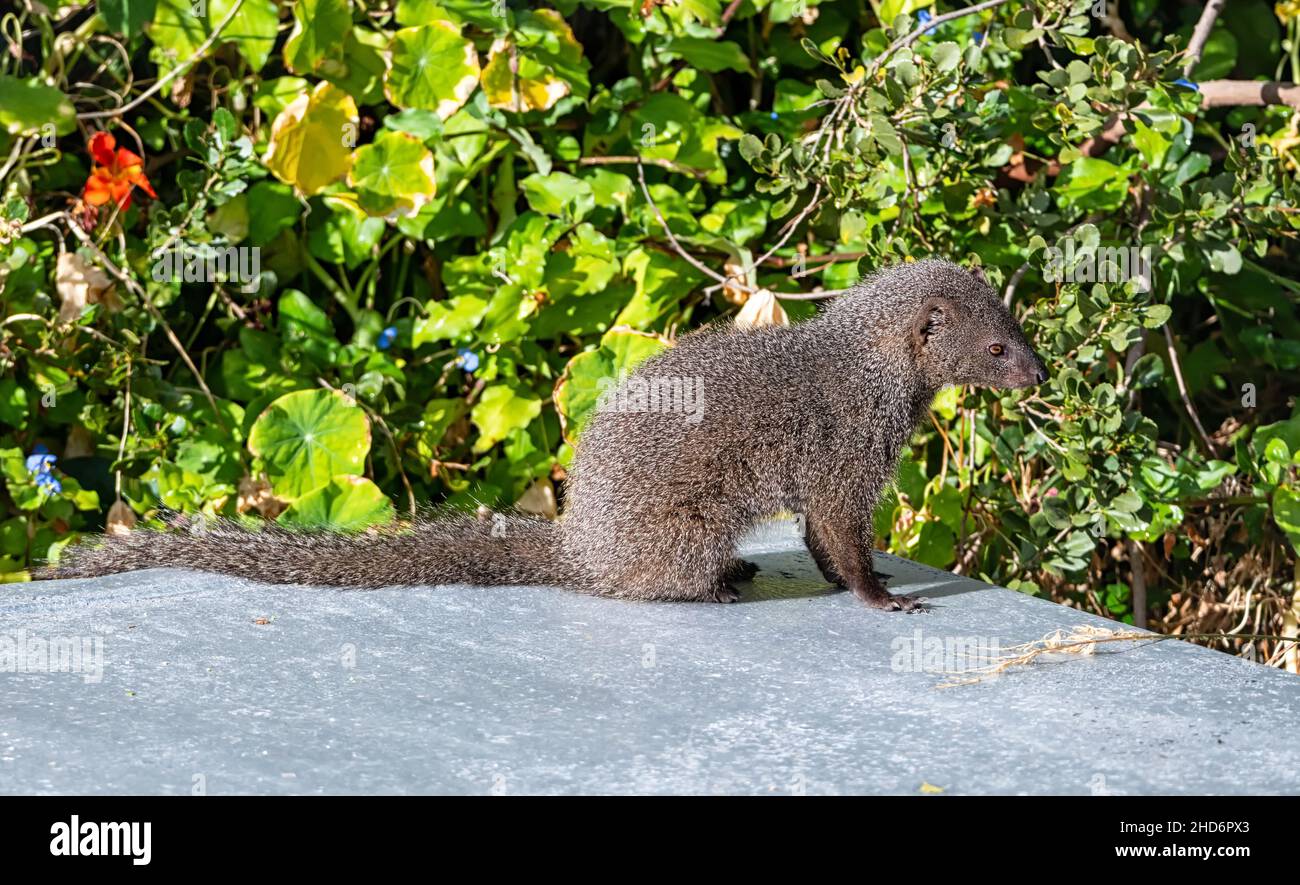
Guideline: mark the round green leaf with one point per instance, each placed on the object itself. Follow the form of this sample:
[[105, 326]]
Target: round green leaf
[[449, 320], [307, 437], [345, 504], [1286, 512], [433, 67], [393, 177], [559, 194]]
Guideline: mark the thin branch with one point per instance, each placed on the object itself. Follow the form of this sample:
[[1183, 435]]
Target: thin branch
[[1201, 34], [911, 38], [677, 247], [1013, 283], [126, 430], [1139, 584], [1214, 94], [825, 259], [1182, 392], [811, 296], [130, 282], [633, 160], [728, 13], [1255, 93], [790, 228]]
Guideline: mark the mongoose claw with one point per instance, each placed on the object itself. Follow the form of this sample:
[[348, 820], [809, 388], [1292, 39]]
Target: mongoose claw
[[908, 604], [726, 593], [876, 596], [898, 603]]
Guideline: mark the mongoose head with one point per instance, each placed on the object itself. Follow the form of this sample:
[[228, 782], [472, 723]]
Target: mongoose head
[[949, 322], [962, 334]]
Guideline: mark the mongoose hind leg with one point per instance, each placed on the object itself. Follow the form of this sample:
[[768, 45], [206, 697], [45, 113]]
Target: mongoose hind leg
[[689, 578]]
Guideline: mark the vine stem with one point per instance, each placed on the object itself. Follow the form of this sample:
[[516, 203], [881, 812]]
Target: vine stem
[[126, 430], [130, 282], [710, 272], [170, 75], [672, 237]]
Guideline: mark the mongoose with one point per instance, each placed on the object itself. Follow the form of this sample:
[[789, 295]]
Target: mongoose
[[808, 418]]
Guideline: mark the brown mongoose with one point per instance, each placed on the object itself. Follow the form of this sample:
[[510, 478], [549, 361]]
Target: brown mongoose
[[808, 418]]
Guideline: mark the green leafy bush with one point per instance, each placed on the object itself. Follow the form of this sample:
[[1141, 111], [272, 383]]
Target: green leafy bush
[[396, 248]]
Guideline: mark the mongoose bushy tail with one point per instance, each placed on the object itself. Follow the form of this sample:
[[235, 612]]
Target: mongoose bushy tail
[[726, 428], [445, 550]]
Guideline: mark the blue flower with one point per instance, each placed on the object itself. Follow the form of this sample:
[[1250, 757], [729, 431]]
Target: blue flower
[[38, 464], [925, 16], [1183, 81], [467, 359], [978, 37], [775, 115], [386, 338], [40, 460]]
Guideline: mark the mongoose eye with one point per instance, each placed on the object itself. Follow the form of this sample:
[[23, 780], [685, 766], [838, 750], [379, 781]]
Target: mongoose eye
[[997, 349]]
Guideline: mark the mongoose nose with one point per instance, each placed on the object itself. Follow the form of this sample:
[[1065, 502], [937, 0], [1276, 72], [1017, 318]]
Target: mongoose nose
[[1040, 376]]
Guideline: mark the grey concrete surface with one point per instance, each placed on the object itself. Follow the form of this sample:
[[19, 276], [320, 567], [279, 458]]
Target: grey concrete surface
[[222, 686]]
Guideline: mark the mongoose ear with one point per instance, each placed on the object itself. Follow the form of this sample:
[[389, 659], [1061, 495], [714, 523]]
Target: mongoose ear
[[932, 316]]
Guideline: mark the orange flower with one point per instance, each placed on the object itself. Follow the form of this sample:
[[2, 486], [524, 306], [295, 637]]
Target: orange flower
[[115, 172]]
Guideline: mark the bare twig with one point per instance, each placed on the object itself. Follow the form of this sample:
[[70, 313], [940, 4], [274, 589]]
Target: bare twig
[[633, 160], [790, 228], [1201, 34], [725, 280], [677, 247], [1182, 392], [126, 430], [729, 13], [1214, 94], [1235, 93], [1139, 584], [1080, 641], [1110, 18], [1014, 282]]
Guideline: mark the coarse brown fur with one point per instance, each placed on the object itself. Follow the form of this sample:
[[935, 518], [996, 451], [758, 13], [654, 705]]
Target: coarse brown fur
[[808, 418]]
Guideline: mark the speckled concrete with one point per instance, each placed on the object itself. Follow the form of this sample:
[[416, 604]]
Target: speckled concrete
[[528, 690]]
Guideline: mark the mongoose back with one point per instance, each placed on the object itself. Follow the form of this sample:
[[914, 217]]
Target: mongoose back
[[808, 418]]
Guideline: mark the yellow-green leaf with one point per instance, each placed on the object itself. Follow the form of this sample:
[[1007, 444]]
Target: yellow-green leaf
[[547, 60], [310, 139], [393, 177], [432, 67]]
